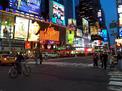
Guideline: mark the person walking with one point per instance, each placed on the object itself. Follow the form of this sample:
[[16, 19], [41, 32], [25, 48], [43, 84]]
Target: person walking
[[101, 59], [19, 59], [40, 58], [95, 60], [105, 59]]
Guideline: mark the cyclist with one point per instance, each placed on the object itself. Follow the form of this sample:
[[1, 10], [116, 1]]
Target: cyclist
[[19, 59]]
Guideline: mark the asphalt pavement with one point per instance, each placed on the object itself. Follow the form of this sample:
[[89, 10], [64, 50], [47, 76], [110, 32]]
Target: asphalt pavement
[[63, 74]]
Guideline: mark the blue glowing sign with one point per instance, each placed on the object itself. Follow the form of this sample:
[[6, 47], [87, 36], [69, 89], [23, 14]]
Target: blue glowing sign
[[120, 32], [104, 35], [29, 6]]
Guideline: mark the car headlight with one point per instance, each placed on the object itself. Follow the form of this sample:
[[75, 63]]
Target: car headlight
[[5, 58]]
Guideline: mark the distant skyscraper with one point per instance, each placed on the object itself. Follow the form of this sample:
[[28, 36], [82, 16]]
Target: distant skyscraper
[[70, 11], [110, 16]]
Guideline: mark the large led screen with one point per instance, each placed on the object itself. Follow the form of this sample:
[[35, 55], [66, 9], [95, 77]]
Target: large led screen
[[79, 33], [30, 6], [78, 42], [49, 34], [85, 25], [120, 20], [120, 32], [104, 35], [71, 21], [34, 29], [21, 28], [58, 14], [86, 40], [7, 25], [70, 36]]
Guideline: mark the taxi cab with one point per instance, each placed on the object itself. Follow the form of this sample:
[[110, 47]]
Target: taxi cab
[[7, 59]]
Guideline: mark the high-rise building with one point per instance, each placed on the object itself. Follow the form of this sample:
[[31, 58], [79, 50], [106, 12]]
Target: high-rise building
[[70, 9], [111, 19]]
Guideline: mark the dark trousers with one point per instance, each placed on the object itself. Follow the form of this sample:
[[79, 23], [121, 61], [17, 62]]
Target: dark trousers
[[95, 63], [19, 68], [105, 64]]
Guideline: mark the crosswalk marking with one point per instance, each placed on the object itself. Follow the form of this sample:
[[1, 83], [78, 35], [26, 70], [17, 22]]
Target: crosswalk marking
[[69, 64], [115, 81]]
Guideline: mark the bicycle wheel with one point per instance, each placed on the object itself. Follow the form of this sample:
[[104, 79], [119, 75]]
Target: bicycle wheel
[[26, 70], [13, 72]]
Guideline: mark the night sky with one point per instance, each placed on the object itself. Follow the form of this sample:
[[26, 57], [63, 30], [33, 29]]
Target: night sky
[[110, 10]]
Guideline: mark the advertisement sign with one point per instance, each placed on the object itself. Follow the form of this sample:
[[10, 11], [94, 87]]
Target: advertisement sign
[[104, 35], [93, 30], [7, 24], [70, 36], [78, 42], [85, 25], [79, 33], [21, 28], [34, 28], [86, 40], [71, 21], [120, 32], [120, 19], [49, 34], [29, 6], [58, 13]]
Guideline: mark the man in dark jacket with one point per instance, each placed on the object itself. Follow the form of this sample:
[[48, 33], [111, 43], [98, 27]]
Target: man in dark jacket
[[105, 59], [19, 59]]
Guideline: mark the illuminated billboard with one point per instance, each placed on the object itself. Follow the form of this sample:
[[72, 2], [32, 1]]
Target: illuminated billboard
[[57, 13], [49, 34], [79, 33], [29, 6], [120, 19], [71, 21], [70, 36], [34, 28], [104, 35], [120, 32], [93, 30], [86, 40], [21, 28], [85, 25], [7, 25], [78, 42]]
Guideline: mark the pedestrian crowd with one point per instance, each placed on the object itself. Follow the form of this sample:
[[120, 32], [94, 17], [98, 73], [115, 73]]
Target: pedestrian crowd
[[106, 59]]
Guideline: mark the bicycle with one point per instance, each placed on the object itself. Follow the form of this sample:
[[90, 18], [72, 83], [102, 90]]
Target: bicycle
[[26, 70]]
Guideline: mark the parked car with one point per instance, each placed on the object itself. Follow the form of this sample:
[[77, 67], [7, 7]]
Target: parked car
[[7, 59]]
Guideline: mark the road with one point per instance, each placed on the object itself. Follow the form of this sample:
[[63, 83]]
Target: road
[[63, 74]]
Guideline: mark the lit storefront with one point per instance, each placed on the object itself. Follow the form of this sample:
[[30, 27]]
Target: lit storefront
[[7, 25], [27, 30], [15, 21], [119, 44]]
